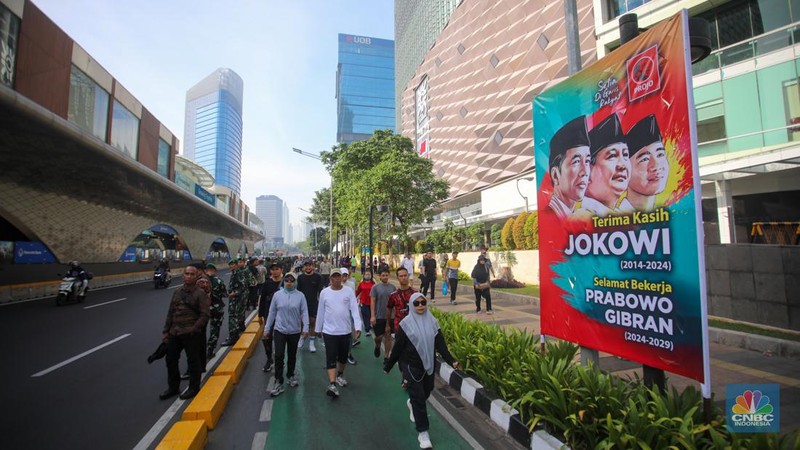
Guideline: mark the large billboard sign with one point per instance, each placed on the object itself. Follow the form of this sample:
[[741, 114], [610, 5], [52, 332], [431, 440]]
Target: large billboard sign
[[421, 119], [620, 235]]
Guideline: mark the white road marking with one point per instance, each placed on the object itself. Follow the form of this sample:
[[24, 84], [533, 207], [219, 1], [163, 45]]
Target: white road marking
[[106, 303], [175, 287], [266, 411], [75, 358], [259, 441], [453, 423]]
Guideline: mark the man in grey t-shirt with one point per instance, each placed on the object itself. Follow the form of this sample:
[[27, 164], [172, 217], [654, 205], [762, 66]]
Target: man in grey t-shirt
[[379, 297]]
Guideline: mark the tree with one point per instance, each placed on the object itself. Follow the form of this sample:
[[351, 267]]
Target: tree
[[321, 207], [531, 230], [475, 234], [507, 235], [519, 234], [319, 236], [496, 234], [421, 246], [387, 168]]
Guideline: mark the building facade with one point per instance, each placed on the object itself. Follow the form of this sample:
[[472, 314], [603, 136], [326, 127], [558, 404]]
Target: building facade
[[417, 24], [272, 211], [364, 87], [213, 126], [469, 104]]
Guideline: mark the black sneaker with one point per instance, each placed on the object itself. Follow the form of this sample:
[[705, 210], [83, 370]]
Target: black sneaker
[[377, 351], [211, 354], [169, 393], [231, 340], [351, 360], [185, 376], [357, 342], [267, 366]]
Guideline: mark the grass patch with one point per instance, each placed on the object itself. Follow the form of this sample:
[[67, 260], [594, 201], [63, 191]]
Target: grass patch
[[753, 329], [529, 289]]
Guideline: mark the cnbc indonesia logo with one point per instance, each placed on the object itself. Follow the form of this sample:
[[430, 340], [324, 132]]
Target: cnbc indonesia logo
[[753, 408]]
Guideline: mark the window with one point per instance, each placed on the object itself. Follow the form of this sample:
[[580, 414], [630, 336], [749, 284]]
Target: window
[[88, 104], [124, 130], [617, 8], [163, 158], [791, 95], [711, 121]]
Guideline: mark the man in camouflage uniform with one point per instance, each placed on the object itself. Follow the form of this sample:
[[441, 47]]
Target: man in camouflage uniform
[[218, 292], [250, 285], [237, 296]]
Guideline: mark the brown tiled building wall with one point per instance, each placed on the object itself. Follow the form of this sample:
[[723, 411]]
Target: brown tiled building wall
[[148, 140], [44, 57], [485, 68]]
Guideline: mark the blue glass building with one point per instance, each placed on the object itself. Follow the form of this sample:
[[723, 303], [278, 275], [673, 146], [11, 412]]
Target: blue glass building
[[364, 87], [213, 128]]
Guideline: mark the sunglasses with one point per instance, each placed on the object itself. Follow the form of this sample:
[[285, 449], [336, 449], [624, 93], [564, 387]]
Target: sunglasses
[[419, 302], [288, 280]]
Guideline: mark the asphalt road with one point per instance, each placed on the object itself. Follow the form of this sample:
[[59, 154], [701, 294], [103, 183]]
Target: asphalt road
[[76, 376]]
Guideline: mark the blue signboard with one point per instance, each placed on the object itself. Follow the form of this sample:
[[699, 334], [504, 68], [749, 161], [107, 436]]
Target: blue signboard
[[129, 255], [32, 253], [166, 229], [204, 195]]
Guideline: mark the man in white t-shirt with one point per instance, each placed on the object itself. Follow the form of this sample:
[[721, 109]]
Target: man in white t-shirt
[[408, 263], [336, 318]]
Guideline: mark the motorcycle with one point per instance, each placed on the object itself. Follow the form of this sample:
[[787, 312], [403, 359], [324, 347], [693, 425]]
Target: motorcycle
[[161, 278], [68, 291]]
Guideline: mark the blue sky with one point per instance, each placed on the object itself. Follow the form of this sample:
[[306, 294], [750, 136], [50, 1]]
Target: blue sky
[[285, 51]]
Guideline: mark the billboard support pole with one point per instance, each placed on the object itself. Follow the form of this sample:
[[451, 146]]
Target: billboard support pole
[[574, 66]]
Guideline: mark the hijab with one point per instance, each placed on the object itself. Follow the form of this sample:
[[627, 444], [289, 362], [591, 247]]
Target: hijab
[[421, 330]]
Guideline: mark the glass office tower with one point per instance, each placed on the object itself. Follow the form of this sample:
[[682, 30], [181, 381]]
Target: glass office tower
[[213, 128], [364, 87]]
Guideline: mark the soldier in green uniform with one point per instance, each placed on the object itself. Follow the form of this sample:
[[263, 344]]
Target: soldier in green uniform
[[250, 284], [218, 292], [237, 296]]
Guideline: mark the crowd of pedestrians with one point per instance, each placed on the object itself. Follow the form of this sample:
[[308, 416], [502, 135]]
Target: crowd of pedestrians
[[299, 301]]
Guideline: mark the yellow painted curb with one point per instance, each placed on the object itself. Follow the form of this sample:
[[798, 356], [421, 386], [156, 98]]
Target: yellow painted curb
[[233, 365], [185, 435], [247, 342], [210, 402]]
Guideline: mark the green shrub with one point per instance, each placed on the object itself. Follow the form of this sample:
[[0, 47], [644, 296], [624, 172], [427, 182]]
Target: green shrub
[[518, 231], [507, 235], [421, 246], [531, 230], [584, 407], [496, 234]]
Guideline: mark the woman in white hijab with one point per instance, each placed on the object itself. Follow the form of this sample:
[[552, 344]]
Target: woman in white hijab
[[418, 338]]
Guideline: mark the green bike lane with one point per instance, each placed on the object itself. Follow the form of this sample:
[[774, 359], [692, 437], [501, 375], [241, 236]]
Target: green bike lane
[[371, 411]]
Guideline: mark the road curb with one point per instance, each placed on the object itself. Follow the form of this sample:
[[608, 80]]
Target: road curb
[[500, 412]]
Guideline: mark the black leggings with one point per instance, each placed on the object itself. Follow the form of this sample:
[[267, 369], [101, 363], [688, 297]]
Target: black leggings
[[419, 386], [452, 287], [485, 293], [282, 342]]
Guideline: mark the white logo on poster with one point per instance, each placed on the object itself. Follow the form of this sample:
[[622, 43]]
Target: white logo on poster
[[421, 117]]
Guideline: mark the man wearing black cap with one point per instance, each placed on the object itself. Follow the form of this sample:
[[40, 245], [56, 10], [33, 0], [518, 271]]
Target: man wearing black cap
[[569, 166], [310, 284], [610, 169], [271, 286], [649, 164]]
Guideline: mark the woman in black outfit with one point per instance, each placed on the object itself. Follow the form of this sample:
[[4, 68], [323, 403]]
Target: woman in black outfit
[[480, 282], [416, 341]]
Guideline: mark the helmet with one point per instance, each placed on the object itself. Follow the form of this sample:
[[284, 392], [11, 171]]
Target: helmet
[[74, 263]]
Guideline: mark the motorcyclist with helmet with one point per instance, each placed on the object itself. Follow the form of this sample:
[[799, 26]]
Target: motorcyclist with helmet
[[76, 271], [163, 265]]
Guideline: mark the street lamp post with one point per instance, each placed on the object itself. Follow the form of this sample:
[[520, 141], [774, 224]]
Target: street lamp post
[[520, 192], [330, 220], [380, 208]]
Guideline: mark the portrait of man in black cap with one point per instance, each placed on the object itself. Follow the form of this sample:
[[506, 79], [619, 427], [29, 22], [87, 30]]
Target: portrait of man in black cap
[[569, 166], [610, 169], [649, 164]]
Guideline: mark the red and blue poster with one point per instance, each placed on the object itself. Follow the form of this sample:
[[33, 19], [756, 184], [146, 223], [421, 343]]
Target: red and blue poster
[[621, 246]]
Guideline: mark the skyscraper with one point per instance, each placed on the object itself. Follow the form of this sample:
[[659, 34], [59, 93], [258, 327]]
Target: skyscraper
[[364, 87], [271, 210], [213, 127]]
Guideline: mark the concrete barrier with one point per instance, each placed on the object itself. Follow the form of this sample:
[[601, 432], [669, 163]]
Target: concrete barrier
[[209, 404], [254, 327], [233, 365], [185, 435], [247, 342]]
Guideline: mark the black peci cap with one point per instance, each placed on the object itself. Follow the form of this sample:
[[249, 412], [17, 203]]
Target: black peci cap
[[607, 132], [572, 134], [643, 133]]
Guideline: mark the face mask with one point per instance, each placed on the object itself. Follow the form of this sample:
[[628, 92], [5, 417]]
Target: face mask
[[367, 277]]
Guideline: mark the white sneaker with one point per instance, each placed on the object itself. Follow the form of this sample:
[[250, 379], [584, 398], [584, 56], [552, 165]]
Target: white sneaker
[[424, 440], [293, 381], [311, 347], [341, 381], [301, 342], [277, 389], [410, 411], [332, 391]]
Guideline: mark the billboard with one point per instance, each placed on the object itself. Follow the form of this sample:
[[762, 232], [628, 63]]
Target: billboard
[[32, 252], [621, 253]]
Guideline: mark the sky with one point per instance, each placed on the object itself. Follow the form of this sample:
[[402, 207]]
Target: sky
[[285, 51]]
